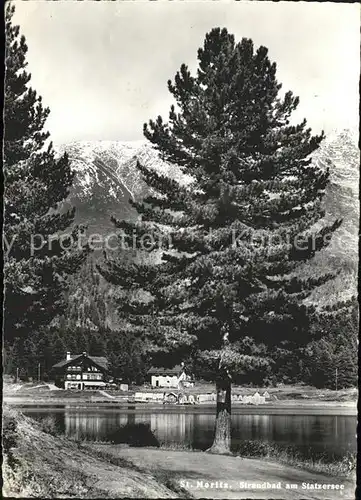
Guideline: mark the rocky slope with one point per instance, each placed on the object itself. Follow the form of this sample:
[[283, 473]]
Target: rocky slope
[[107, 177], [341, 155]]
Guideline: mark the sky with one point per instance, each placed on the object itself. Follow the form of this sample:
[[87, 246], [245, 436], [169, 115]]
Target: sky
[[102, 67]]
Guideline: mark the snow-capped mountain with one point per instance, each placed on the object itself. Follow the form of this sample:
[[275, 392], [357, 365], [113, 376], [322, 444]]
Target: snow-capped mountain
[[340, 153], [107, 177]]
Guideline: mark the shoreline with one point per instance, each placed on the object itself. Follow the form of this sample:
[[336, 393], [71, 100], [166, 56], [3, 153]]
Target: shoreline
[[291, 400], [296, 407]]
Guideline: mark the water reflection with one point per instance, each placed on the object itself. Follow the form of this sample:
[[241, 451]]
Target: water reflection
[[333, 434]]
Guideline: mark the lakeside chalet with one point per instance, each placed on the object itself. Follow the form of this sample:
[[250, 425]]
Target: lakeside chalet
[[81, 371]]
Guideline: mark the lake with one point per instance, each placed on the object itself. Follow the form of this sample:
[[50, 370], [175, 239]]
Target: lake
[[332, 434]]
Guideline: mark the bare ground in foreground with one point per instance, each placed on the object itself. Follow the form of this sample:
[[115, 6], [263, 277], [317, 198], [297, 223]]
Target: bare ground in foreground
[[195, 469]]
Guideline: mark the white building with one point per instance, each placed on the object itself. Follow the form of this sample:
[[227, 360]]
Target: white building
[[170, 377]]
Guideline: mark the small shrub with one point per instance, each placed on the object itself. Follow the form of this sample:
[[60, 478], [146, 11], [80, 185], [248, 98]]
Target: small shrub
[[349, 463], [254, 449], [49, 425], [134, 435]]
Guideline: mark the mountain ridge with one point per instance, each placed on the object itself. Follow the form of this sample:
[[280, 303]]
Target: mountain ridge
[[106, 178]]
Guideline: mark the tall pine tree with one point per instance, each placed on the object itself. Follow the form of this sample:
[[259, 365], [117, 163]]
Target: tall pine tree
[[36, 184], [251, 214]]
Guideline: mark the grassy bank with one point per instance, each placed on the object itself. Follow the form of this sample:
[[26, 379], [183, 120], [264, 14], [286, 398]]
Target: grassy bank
[[305, 458], [40, 464], [21, 475]]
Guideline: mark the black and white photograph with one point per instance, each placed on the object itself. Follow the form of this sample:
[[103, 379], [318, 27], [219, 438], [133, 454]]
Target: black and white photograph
[[180, 249]]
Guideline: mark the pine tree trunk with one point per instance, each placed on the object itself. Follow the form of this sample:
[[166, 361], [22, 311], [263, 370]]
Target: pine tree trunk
[[222, 435]]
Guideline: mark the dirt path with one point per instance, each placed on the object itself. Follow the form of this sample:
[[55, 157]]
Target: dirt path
[[212, 476]]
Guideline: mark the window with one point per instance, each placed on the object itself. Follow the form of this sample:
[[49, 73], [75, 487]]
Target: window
[[94, 376], [85, 376], [73, 368]]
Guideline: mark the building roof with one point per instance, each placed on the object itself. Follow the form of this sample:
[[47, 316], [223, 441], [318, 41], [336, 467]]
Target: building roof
[[176, 370], [100, 361]]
